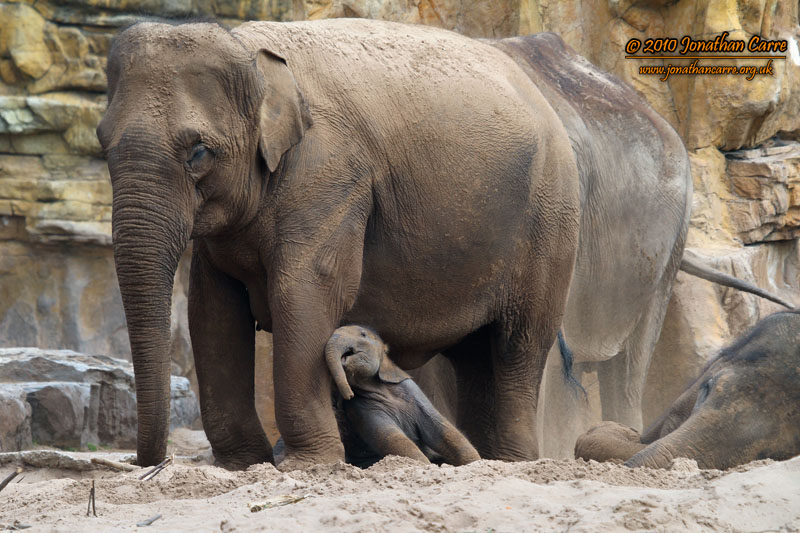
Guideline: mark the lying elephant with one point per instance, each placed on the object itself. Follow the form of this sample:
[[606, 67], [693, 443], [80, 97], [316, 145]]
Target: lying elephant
[[386, 410], [745, 406]]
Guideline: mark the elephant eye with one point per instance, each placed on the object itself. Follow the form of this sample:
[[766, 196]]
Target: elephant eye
[[702, 394], [200, 158]]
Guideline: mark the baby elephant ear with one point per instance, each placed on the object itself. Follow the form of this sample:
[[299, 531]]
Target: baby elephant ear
[[284, 115], [390, 372]]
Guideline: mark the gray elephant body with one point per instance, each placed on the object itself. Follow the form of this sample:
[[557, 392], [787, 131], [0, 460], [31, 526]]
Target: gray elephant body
[[744, 406], [636, 193], [402, 177]]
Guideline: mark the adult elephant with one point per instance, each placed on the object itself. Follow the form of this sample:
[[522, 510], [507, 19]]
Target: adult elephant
[[636, 193], [405, 178]]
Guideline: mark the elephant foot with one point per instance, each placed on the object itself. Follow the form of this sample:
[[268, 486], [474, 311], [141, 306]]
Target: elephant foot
[[299, 460], [239, 463], [243, 458], [512, 450]]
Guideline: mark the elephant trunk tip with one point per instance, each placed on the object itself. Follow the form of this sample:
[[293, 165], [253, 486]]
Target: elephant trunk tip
[[654, 456], [333, 358]]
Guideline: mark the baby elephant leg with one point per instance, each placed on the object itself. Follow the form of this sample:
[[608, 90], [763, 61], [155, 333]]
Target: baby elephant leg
[[442, 437], [384, 437]]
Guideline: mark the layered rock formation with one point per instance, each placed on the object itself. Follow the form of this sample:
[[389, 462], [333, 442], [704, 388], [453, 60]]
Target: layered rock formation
[[66, 399], [57, 282]]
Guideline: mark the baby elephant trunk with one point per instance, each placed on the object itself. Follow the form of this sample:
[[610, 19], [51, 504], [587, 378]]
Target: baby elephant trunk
[[333, 357]]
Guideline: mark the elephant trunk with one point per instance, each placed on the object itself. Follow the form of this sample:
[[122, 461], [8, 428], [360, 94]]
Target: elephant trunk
[[656, 455], [333, 357], [690, 440], [149, 237]]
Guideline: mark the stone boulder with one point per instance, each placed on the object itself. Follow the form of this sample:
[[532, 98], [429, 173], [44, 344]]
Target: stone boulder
[[74, 400], [766, 190], [15, 418], [61, 413]]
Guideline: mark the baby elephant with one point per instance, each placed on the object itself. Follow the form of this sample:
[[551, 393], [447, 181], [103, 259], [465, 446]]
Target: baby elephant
[[384, 406], [744, 406]]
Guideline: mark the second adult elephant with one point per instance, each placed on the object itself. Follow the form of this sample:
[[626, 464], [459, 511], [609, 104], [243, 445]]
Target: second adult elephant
[[401, 177], [636, 194]]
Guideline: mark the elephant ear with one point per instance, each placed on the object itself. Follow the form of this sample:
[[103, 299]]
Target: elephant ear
[[390, 372], [283, 115]]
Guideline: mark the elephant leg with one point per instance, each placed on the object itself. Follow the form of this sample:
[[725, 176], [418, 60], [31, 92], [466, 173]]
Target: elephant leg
[[303, 411], [621, 387], [622, 378], [474, 408], [564, 412], [222, 330], [381, 434], [443, 438], [498, 375], [518, 360]]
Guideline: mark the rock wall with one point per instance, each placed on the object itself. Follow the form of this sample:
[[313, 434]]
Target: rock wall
[[57, 282], [67, 399]]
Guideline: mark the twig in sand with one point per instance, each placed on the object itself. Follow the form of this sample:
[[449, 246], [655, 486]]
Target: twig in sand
[[11, 476], [145, 523], [91, 507], [153, 472], [125, 467], [20, 479], [277, 501], [16, 526]]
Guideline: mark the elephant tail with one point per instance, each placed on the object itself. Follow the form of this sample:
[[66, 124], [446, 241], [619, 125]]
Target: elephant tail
[[694, 267], [567, 359]]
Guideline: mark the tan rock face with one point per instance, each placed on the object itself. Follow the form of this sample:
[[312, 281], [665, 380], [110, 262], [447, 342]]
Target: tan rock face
[[766, 188], [480, 19], [24, 31]]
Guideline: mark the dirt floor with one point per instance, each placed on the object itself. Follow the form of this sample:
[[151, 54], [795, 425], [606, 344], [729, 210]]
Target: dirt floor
[[399, 495]]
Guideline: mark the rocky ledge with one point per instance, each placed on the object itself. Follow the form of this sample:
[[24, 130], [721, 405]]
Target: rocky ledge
[[71, 400]]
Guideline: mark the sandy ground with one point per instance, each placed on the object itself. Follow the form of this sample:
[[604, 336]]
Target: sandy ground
[[399, 495]]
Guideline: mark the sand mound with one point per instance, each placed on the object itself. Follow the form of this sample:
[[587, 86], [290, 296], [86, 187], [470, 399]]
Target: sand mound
[[399, 495]]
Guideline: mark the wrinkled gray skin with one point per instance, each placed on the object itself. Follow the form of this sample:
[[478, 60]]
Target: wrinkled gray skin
[[342, 171], [745, 406], [383, 406], [635, 200]]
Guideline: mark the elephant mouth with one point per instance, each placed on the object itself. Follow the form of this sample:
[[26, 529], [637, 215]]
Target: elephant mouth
[[350, 352]]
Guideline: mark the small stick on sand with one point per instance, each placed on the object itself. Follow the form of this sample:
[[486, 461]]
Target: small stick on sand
[[277, 501], [91, 507], [147, 476], [125, 467], [11, 476], [16, 526], [160, 465], [145, 523]]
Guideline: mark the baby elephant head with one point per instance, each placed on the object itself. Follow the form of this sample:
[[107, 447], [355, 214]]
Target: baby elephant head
[[356, 356]]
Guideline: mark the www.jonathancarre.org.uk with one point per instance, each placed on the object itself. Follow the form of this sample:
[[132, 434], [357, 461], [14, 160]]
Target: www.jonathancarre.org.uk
[[749, 72]]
